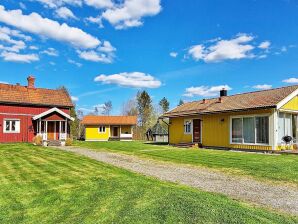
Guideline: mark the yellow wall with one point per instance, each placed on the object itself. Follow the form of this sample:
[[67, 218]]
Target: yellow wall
[[215, 130], [92, 133], [292, 104], [176, 130], [126, 128]]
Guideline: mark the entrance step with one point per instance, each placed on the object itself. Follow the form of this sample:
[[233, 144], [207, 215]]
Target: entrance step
[[54, 143], [185, 145]]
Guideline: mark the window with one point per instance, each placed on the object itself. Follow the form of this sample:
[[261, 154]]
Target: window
[[250, 130], [237, 130], [102, 129], [187, 127], [11, 126]]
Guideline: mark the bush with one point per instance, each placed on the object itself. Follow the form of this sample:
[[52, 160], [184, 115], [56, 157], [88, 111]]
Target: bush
[[37, 140], [68, 142]]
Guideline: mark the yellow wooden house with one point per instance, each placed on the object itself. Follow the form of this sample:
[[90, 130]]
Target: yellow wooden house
[[105, 128], [251, 121]]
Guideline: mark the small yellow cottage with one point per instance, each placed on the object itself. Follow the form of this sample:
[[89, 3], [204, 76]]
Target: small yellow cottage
[[254, 120], [104, 128]]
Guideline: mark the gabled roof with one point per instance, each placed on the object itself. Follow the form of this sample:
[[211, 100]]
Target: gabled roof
[[16, 94], [52, 111], [246, 101], [158, 129], [109, 120]]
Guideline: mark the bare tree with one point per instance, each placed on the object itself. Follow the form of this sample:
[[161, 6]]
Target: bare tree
[[107, 107], [129, 108]]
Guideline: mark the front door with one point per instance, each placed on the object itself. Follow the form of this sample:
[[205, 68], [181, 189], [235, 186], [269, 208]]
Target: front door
[[196, 130], [51, 130], [115, 131]]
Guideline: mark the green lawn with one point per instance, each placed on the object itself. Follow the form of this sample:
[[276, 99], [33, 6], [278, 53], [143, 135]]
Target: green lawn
[[278, 168], [43, 185]]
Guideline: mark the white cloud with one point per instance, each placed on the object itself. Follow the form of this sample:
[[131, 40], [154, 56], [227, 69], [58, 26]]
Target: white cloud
[[133, 79], [51, 52], [264, 45], [100, 4], [291, 80], [15, 33], [262, 87], [95, 56], [14, 57], [205, 91], [197, 52], [33, 48], [173, 54], [130, 13], [74, 98], [65, 13], [3, 82], [74, 63], [52, 63], [107, 47], [48, 28], [220, 50], [97, 20], [58, 3]]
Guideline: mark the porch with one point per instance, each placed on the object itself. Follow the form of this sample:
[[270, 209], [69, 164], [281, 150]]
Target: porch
[[53, 125], [121, 133]]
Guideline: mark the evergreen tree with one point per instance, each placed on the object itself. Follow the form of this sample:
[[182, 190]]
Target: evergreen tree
[[164, 104]]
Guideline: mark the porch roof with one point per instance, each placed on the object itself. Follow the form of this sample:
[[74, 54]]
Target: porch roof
[[55, 109]]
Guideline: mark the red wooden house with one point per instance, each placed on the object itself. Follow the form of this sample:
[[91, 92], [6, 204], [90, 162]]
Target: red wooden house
[[27, 111]]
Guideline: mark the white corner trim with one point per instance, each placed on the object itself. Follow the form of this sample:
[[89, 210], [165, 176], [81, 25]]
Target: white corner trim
[[287, 99], [54, 109]]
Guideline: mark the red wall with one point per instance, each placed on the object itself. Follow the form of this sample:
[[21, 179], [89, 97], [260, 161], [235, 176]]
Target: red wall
[[24, 114]]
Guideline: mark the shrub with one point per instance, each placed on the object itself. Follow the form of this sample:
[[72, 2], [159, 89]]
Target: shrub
[[68, 142], [37, 140]]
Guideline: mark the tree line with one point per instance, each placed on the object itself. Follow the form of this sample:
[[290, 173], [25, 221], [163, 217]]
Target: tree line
[[141, 105]]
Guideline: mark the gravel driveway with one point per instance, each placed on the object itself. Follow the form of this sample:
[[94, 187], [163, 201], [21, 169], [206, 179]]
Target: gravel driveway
[[277, 197]]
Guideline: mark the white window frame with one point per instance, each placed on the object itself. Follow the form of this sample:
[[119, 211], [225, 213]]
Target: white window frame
[[246, 116], [101, 131], [188, 121], [18, 127]]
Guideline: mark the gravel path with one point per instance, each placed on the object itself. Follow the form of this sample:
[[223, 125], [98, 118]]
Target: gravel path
[[276, 197]]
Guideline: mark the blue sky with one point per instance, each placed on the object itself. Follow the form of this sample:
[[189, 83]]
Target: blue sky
[[107, 50]]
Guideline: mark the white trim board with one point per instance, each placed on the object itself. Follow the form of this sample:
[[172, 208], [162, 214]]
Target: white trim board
[[54, 109], [287, 99]]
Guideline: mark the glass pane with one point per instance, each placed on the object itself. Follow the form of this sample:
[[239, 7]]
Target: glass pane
[[103, 129], [237, 130], [249, 129], [13, 125], [281, 127], [288, 124], [7, 125], [262, 127]]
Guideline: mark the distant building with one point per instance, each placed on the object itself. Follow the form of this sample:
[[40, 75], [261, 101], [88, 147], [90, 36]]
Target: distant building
[[157, 133], [107, 128]]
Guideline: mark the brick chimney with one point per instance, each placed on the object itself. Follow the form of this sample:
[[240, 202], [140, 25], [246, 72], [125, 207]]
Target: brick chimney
[[31, 82]]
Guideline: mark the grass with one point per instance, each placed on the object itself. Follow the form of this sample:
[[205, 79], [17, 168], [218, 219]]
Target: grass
[[43, 185], [282, 168]]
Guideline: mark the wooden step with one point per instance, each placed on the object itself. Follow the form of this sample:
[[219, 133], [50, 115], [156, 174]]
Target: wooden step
[[185, 145], [54, 143]]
